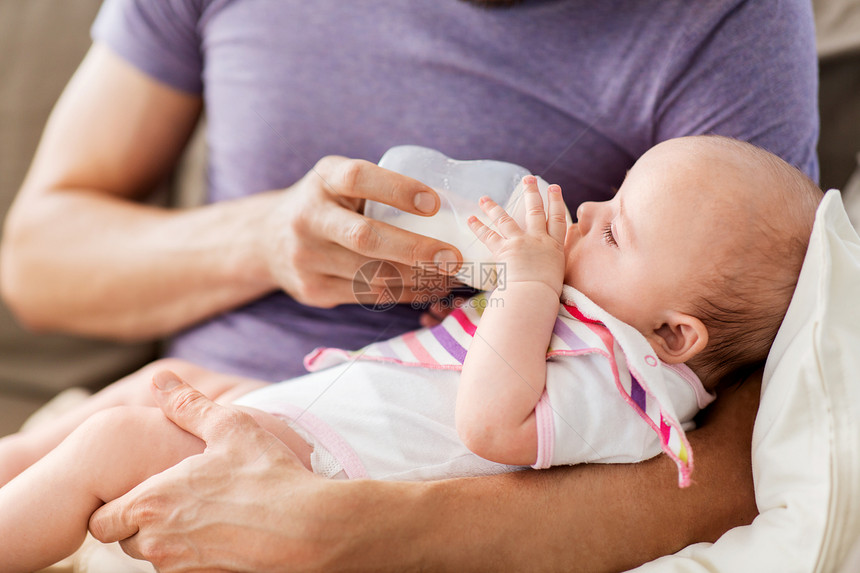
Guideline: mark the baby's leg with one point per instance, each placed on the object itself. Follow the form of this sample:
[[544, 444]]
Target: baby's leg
[[19, 451], [44, 512]]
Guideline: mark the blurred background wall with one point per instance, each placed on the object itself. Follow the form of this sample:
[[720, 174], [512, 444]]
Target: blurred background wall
[[838, 34], [41, 43]]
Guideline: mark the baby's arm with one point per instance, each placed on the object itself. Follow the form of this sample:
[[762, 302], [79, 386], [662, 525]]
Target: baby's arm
[[504, 373]]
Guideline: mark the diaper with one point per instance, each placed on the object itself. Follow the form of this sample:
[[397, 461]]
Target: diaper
[[323, 463]]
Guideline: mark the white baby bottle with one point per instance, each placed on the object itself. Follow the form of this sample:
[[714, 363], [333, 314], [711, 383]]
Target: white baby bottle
[[459, 184]]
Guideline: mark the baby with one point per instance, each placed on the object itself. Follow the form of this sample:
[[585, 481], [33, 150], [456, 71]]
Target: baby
[[677, 283]]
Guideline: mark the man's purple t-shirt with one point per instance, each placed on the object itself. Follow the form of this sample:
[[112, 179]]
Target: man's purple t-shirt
[[574, 91]]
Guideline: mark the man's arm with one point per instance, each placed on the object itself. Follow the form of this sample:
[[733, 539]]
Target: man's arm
[[598, 517], [273, 515], [81, 254]]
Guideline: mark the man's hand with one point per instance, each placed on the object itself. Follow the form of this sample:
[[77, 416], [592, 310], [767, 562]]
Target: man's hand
[[316, 240], [220, 510]]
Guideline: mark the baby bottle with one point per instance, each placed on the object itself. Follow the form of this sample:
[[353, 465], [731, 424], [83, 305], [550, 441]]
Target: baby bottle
[[459, 184]]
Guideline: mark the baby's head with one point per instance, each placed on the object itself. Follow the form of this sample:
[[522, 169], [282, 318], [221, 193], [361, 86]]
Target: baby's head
[[699, 250]]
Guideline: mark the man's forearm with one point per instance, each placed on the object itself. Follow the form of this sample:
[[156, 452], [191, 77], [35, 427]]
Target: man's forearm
[[96, 265], [595, 517]]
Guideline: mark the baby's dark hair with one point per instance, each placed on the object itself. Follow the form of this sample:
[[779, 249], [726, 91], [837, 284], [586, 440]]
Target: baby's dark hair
[[748, 290]]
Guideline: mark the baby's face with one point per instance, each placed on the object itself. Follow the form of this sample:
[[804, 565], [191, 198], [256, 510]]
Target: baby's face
[[641, 253]]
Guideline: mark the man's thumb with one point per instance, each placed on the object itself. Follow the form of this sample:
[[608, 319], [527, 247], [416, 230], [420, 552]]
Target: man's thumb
[[165, 381], [183, 405]]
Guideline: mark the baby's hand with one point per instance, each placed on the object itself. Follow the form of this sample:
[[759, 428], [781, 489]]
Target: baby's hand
[[535, 254]]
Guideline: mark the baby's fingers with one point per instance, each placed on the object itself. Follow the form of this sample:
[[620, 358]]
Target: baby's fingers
[[485, 234], [499, 218], [556, 223], [535, 215]]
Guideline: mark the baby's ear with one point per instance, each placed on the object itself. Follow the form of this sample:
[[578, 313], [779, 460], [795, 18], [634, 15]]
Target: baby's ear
[[679, 338]]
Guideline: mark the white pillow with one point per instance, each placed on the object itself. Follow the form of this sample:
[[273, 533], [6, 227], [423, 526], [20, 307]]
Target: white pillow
[[806, 441]]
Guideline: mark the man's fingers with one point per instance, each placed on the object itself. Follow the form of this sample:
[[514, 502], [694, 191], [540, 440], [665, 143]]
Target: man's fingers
[[359, 179], [378, 240], [115, 521], [191, 410], [340, 263]]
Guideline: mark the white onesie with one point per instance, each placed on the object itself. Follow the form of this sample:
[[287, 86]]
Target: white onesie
[[387, 411]]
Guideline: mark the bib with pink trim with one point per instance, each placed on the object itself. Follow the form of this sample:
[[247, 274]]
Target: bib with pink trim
[[580, 328]]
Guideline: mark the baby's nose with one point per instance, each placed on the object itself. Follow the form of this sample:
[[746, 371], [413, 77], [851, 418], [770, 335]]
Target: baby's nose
[[583, 215]]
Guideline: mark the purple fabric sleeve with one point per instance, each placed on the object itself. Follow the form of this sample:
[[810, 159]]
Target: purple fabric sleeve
[[158, 37]]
